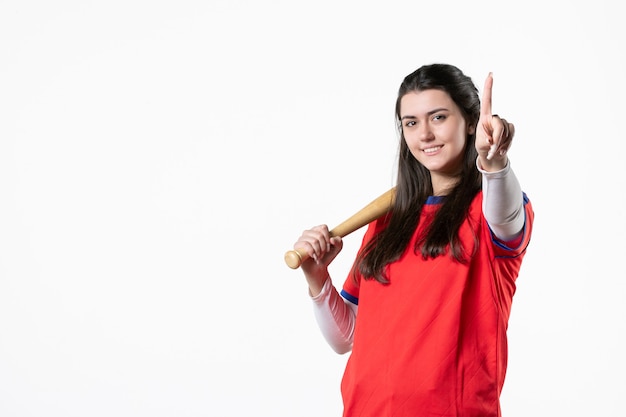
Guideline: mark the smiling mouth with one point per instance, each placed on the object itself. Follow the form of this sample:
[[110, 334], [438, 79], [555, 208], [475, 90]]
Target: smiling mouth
[[431, 150]]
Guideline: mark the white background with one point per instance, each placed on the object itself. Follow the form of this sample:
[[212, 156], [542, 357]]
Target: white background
[[157, 159]]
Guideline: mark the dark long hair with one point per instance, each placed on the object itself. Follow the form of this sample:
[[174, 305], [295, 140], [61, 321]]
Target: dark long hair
[[414, 184]]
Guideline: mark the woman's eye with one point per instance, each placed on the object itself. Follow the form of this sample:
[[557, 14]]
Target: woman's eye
[[439, 117], [410, 123]]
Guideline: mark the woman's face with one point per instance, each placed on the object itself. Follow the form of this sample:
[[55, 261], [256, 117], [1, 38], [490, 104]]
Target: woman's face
[[435, 131]]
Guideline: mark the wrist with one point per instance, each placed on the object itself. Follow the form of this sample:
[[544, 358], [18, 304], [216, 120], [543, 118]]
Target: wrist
[[491, 165], [316, 284]]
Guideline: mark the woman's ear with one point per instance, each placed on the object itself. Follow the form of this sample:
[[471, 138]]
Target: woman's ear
[[471, 129]]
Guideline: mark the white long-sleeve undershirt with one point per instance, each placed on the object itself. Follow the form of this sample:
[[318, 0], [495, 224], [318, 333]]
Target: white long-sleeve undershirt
[[335, 317], [503, 209], [503, 202]]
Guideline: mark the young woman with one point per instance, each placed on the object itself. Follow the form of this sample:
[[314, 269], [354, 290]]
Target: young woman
[[425, 308]]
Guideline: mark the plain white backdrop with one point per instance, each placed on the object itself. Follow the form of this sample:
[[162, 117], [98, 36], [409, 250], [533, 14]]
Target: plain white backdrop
[[157, 159]]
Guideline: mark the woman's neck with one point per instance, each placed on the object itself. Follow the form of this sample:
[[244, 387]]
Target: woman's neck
[[442, 184]]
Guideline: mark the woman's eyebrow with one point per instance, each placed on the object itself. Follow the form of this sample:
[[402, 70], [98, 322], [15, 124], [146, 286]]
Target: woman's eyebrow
[[431, 112]]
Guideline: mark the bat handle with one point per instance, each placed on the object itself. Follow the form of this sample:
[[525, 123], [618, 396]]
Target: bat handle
[[372, 211], [294, 258]]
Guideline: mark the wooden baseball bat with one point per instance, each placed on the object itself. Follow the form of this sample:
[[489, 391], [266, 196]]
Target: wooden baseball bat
[[367, 214]]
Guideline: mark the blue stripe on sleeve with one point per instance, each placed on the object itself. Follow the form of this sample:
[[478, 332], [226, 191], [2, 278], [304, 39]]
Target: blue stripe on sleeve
[[354, 300]]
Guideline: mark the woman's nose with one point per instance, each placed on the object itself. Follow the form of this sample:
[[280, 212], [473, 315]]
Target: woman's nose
[[424, 132]]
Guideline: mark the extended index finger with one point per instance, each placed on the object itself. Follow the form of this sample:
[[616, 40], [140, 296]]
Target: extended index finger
[[485, 105]]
